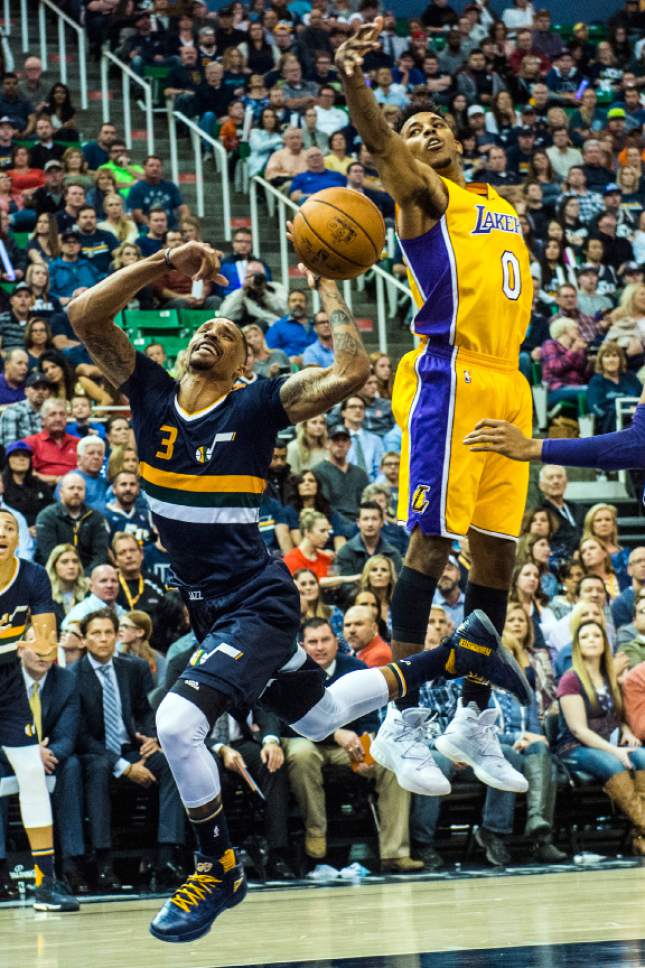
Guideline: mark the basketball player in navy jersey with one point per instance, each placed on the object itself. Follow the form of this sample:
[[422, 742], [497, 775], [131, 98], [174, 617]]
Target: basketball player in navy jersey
[[26, 598], [205, 446]]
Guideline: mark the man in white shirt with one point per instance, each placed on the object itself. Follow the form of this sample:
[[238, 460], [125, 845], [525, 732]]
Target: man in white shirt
[[561, 154], [328, 117], [104, 590]]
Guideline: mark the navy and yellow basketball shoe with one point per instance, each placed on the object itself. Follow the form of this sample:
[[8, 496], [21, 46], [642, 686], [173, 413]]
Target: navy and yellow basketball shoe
[[190, 912], [475, 649]]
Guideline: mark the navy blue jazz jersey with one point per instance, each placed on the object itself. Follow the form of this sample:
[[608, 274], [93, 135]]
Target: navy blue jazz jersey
[[204, 474], [29, 593]]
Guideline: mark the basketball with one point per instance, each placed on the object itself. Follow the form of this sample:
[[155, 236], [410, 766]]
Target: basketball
[[338, 233]]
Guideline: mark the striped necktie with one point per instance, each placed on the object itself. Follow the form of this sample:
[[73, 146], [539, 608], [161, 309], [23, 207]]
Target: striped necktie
[[111, 718], [221, 730], [36, 710]]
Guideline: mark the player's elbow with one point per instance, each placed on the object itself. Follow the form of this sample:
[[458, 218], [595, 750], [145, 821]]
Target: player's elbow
[[355, 374]]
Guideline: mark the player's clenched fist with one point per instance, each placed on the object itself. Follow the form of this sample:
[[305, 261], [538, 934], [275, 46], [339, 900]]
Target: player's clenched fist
[[197, 260]]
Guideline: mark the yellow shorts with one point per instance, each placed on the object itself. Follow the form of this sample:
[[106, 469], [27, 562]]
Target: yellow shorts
[[444, 488]]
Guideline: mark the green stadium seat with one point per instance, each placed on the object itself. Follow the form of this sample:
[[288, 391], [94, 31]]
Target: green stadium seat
[[190, 319], [152, 320], [156, 75]]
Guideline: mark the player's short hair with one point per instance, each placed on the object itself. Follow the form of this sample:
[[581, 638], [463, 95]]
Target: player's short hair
[[100, 613], [11, 515], [427, 106]]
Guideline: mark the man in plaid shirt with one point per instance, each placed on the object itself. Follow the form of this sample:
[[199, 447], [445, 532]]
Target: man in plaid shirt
[[441, 698], [19, 420], [591, 203]]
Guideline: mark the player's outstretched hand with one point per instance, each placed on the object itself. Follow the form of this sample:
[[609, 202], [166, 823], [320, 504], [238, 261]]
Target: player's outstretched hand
[[198, 260], [502, 437], [352, 51]]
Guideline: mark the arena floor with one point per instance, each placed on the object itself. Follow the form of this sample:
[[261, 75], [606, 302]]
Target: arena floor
[[594, 918]]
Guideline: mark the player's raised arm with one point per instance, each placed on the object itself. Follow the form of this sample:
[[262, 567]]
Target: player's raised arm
[[404, 177], [313, 390], [92, 313]]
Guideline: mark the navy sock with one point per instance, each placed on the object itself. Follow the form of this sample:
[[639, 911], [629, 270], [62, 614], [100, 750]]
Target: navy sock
[[213, 838], [410, 609], [413, 671], [43, 864], [493, 602]]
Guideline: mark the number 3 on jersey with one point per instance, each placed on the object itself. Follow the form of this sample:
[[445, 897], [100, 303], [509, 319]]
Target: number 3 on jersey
[[511, 275], [167, 447]]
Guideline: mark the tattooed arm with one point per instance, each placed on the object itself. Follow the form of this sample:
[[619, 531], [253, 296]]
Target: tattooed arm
[[92, 313], [312, 391]]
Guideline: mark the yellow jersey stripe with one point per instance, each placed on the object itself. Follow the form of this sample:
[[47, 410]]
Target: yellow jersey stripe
[[13, 632], [203, 483]]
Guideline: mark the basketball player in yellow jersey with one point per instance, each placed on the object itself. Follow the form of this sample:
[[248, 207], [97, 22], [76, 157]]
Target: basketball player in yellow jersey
[[470, 269]]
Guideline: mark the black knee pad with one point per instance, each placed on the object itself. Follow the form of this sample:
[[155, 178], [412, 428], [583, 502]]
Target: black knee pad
[[210, 701]]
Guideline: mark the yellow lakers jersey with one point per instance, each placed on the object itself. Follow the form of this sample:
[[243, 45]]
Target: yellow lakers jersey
[[470, 275]]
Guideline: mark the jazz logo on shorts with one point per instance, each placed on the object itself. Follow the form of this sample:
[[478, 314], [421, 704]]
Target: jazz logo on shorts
[[421, 498]]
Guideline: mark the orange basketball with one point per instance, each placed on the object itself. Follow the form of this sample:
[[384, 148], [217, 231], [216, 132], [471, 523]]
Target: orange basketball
[[338, 233]]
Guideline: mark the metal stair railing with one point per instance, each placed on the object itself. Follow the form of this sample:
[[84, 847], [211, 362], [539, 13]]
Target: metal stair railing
[[221, 162], [127, 76], [63, 21]]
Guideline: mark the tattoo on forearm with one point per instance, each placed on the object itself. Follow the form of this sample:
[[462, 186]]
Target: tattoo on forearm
[[112, 352], [311, 391]]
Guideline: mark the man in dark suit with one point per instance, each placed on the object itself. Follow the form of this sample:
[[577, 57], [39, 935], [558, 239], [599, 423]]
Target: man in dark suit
[[117, 741], [343, 749], [53, 698], [248, 738]]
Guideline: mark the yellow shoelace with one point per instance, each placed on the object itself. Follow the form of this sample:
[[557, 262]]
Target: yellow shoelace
[[196, 888]]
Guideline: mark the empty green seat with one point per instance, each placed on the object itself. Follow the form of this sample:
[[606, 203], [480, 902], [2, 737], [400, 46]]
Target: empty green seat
[[190, 319], [151, 319]]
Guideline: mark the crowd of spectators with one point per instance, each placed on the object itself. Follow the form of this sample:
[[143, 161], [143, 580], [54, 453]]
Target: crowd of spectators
[[554, 125]]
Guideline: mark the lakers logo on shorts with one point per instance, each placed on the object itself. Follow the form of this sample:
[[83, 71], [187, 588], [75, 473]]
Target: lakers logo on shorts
[[421, 498]]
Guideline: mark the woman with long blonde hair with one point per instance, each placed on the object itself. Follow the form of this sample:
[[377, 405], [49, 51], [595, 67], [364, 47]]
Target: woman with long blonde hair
[[309, 446], [116, 221], [379, 577], [601, 522], [592, 718], [69, 584], [135, 630]]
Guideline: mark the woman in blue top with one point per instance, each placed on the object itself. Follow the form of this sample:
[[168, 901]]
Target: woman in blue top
[[610, 381]]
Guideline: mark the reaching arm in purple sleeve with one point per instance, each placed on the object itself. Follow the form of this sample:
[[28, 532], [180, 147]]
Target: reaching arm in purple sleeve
[[622, 450]]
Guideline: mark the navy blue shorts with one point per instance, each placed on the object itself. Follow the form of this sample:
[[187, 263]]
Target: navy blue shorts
[[16, 721], [245, 637]]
